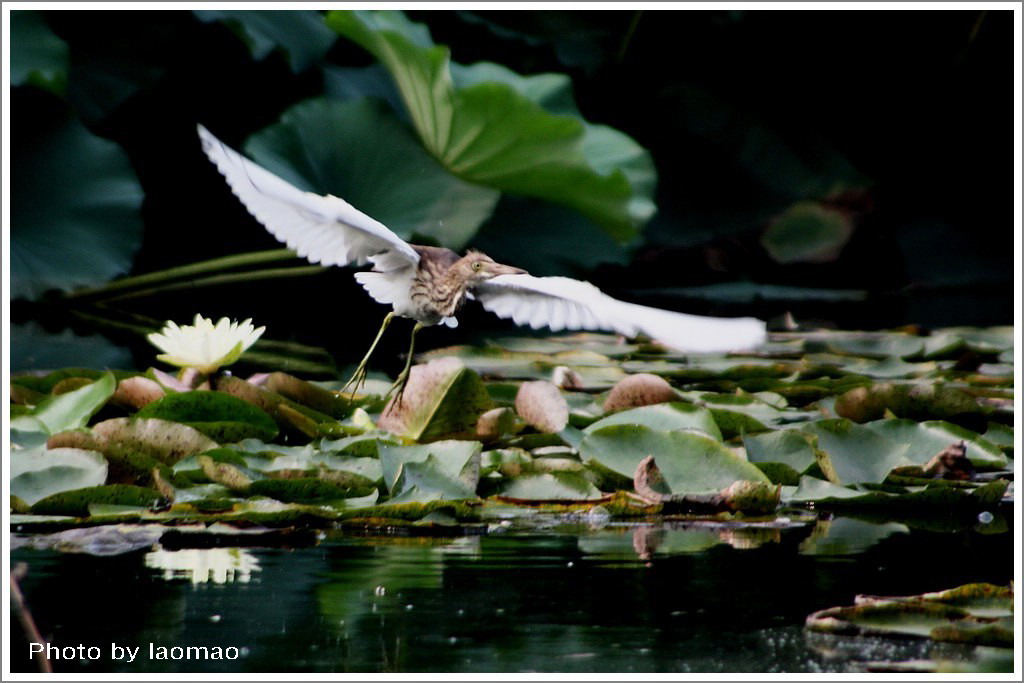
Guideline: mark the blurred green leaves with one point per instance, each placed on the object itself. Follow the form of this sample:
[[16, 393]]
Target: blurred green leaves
[[38, 56], [299, 34], [76, 221], [497, 132]]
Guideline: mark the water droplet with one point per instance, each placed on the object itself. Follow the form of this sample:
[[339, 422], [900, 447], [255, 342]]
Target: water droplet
[[986, 517], [408, 608], [453, 640], [379, 591], [215, 618], [568, 564]]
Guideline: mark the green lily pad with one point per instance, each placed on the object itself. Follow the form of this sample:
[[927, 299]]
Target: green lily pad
[[305, 490], [913, 401], [925, 439], [458, 460], [40, 472], [856, 453], [222, 417], [783, 455], [691, 462], [550, 486], [918, 616], [663, 417], [71, 410], [428, 480], [76, 503]]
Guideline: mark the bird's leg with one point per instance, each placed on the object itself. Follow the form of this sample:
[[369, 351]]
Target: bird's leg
[[359, 376], [403, 377]]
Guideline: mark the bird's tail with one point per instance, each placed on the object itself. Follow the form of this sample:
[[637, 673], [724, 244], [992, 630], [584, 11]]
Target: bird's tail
[[694, 332]]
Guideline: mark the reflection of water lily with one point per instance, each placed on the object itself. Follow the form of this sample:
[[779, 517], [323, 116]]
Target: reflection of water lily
[[204, 346], [219, 565]]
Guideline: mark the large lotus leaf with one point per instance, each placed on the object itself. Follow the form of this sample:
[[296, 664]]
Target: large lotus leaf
[[300, 34], [71, 410], [443, 398], [924, 440], [376, 164], [71, 188], [691, 462], [222, 417], [808, 232], [39, 472], [847, 536], [550, 486], [663, 417], [166, 441], [427, 480], [490, 133], [858, 454], [38, 56], [458, 460]]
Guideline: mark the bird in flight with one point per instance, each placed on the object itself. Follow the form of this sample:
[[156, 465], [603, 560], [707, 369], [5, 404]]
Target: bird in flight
[[430, 284]]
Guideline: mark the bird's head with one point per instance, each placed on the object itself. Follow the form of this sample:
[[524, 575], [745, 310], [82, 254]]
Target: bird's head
[[476, 267]]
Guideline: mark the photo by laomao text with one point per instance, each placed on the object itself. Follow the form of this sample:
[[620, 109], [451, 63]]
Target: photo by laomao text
[[129, 654]]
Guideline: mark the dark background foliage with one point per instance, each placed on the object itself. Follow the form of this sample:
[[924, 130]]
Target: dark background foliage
[[892, 129]]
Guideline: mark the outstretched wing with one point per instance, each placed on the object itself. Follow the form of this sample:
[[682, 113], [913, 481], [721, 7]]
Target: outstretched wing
[[323, 229], [561, 303]]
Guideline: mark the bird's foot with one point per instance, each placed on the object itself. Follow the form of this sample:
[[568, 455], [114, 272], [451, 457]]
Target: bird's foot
[[356, 381], [397, 390]]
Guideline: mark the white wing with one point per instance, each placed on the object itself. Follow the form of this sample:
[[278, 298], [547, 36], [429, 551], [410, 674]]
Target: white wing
[[323, 229], [561, 303]]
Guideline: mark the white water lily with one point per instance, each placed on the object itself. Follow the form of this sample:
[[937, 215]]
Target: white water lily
[[203, 345]]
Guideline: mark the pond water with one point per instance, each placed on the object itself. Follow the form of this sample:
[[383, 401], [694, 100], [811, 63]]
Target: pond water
[[565, 598]]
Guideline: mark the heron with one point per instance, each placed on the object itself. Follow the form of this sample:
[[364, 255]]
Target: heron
[[431, 284]]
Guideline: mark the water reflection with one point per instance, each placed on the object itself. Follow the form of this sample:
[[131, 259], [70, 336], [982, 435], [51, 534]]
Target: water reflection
[[213, 565], [645, 541]]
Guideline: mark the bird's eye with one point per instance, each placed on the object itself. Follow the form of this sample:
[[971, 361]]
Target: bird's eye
[[477, 265]]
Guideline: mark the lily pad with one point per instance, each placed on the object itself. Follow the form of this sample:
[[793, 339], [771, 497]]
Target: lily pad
[[427, 480], [783, 454], [857, 453], [72, 409], [543, 406], [166, 441], [76, 503], [925, 439], [443, 398], [691, 462], [222, 417], [663, 417], [299, 34], [550, 487], [457, 460], [40, 472]]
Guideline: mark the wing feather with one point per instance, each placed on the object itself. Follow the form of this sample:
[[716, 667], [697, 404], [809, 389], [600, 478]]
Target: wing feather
[[564, 303], [322, 228]]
